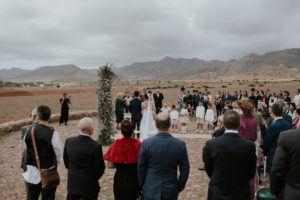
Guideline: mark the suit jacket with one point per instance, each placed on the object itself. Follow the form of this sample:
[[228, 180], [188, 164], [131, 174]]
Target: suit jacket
[[25, 130], [158, 99], [159, 159], [285, 176], [268, 99], [83, 159], [287, 118], [270, 140], [219, 132], [230, 162], [226, 98], [135, 107]]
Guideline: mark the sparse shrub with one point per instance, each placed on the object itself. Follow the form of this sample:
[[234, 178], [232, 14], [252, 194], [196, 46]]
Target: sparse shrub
[[224, 86], [251, 85]]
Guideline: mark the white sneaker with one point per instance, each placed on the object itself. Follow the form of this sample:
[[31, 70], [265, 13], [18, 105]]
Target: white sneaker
[[201, 132], [197, 131]]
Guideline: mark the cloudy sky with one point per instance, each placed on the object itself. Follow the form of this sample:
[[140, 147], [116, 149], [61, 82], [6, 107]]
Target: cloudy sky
[[90, 33]]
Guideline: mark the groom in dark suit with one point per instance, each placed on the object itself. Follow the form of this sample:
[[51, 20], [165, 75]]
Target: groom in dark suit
[[158, 98], [159, 159], [135, 107], [230, 162]]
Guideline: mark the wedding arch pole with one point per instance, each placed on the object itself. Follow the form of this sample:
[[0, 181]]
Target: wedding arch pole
[[105, 108]]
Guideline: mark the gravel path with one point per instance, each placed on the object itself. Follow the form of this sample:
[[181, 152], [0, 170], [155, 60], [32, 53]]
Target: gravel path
[[12, 183]]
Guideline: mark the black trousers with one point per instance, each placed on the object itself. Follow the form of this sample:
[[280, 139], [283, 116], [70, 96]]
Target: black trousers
[[34, 191], [219, 110], [71, 196], [158, 109], [136, 123], [64, 115]]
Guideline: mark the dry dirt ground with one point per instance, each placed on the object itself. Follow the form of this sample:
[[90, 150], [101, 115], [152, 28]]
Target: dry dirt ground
[[12, 183]]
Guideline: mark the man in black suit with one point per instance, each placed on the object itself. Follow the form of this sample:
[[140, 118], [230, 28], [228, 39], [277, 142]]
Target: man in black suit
[[285, 176], [135, 107], [268, 96], [158, 98], [83, 159], [230, 162]]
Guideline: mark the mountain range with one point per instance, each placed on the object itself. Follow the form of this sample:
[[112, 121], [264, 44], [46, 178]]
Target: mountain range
[[283, 62]]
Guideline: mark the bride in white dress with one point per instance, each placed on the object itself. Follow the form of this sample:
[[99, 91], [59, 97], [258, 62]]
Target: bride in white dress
[[147, 127]]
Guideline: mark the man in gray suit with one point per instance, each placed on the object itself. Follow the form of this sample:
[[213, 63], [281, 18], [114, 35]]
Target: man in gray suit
[[159, 159], [285, 176]]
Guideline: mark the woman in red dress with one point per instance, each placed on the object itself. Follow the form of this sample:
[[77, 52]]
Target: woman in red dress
[[123, 155]]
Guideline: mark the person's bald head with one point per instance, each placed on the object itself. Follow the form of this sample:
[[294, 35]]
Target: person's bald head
[[163, 122], [86, 125]]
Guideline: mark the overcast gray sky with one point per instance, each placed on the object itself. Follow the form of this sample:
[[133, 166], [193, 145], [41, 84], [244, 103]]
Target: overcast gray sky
[[90, 33]]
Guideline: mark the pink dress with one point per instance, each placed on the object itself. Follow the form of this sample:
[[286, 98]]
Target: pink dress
[[248, 130]]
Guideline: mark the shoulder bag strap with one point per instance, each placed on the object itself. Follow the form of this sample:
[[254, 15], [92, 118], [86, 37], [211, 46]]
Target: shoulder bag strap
[[35, 149]]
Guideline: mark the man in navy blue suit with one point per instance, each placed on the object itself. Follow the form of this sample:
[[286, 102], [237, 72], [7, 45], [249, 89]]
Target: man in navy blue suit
[[226, 97], [135, 107], [270, 141], [159, 159]]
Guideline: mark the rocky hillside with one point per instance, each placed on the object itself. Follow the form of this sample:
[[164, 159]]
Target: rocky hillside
[[13, 72], [62, 73], [276, 63], [167, 67]]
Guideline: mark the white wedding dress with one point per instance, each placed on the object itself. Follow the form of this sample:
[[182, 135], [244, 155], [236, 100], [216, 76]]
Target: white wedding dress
[[147, 128]]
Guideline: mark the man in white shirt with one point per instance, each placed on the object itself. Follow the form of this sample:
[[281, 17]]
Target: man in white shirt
[[297, 98], [50, 153]]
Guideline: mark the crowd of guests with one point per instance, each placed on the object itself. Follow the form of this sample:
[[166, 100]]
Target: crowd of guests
[[208, 109], [247, 130], [143, 170]]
